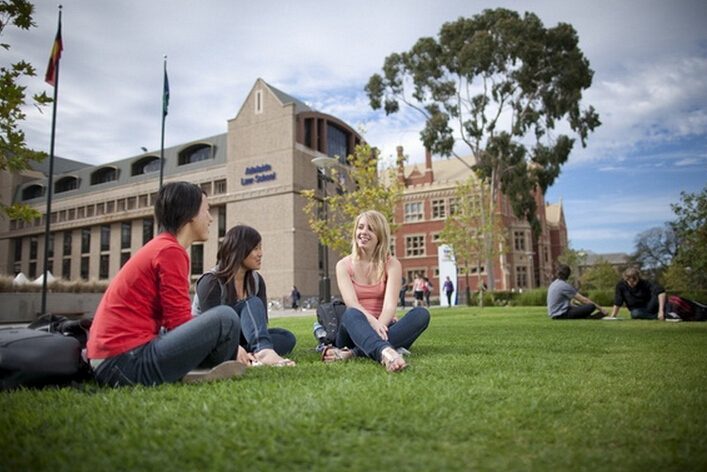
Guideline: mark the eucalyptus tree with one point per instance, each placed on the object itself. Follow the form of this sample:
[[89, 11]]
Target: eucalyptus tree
[[506, 87]]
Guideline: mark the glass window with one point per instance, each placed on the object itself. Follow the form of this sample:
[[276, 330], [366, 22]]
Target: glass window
[[414, 246], [220, 187], [124, 257], [84, 267], [33, 191], [519, 239], [337, 142], [439, 210], [105, 174], [197, 259], [413, 212], [105, 238], [222, 221], [522, 277], [66, 268], [33, 243], [148, 230], [50, 245], [18, 249], [146, 165], [126, 235], [104, 266], [196, 153], [85, 240], [67, 243], [65, 184]]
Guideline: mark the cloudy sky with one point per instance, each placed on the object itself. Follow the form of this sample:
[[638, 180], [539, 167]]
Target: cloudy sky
[[650, 85]]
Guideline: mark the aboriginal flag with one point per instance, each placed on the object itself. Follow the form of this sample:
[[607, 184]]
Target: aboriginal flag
[[53, 66]]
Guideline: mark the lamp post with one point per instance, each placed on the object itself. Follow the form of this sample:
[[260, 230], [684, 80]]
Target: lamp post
[[324, 163]]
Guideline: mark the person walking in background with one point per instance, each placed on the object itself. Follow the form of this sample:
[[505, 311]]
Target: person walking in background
[[418, 290], [143, 331], [427, 289], [236, 283], [560, 295], [403, 291], [448, 289], [644, 299], [295, 295], [369, 283]]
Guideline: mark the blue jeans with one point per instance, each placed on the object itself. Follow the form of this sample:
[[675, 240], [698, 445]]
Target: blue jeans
[[357, 333], [647, 312], [255, 335], [205, 341]]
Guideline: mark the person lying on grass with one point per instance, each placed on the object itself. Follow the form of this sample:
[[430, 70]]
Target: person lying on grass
[[369, 281], [560, 295], [143, 331], [235, 282]]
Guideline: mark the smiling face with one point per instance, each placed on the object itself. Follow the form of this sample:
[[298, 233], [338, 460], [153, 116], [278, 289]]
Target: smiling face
[[366, 238], [254, 259]]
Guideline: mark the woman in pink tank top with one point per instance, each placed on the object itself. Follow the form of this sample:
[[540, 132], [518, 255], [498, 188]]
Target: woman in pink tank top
[[369, 281]]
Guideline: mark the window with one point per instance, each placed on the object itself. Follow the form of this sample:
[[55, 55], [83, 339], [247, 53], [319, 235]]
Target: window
[[124, 257], [130, 203], [104, 174], [220, 187], [33, 191], [222, 221], [50, 245], [414, 246], [84, 267], [195, 153], [104, 266], [337, 142], [18, 249], [32, 270], [413, 211], [65, 184], [126, 234], [522, 277], [66, 268], [148, 230], [105, 238], [33, 247], [519, 240], [85, 240], [197, 259], [453, 205], [258, 102], [67, 243], [146, 165], [439, 210]]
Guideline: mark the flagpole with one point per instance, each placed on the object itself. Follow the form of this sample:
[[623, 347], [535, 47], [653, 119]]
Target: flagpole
[[50, 181], [165, 104]]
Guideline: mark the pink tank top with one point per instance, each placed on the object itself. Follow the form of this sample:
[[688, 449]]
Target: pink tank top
[[369, 296]]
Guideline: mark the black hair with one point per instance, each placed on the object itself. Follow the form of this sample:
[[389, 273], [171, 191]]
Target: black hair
[[176, 204], [237, 244], [563, 271]]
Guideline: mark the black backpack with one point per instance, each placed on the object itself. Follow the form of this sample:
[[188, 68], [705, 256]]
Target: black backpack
[[47, 353], [687, 310], [329, 316]]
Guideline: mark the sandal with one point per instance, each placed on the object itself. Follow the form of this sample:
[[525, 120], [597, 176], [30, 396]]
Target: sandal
[[392, 360], [285, 362], [342, 354]]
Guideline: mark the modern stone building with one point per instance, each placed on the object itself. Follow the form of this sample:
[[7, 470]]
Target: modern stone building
[[253, 174]]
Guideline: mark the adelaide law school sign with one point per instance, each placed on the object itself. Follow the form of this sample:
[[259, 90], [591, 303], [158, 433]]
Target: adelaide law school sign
[[258, 174]]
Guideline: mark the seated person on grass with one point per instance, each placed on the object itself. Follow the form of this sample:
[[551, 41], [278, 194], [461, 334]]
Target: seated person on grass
[[560, 295], [143, 331], [645, 300]]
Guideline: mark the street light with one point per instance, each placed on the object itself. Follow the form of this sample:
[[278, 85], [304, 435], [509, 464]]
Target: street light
[[324, 163]]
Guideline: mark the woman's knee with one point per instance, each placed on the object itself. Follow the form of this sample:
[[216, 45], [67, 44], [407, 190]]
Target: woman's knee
[[420, 315]]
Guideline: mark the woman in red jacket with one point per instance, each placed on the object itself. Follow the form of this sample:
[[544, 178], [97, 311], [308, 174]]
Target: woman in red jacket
[[143, 331]]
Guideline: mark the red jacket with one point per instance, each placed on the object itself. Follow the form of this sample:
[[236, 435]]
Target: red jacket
[[151, 291]]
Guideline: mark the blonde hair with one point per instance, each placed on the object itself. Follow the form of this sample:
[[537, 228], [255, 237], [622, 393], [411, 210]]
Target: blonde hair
[[632, 273], [380, 227]]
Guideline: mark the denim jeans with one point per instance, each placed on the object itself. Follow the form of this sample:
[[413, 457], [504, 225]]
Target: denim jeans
[[205, 341], [357, 333], [648, 312], [577, 312], [255, 335]]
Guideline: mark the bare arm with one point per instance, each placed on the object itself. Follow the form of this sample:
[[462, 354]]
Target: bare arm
[[582, 299], [661, 306], [394, 272]]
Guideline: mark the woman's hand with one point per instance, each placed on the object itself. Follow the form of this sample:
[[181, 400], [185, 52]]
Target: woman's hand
[[244, 357], [379, 327]]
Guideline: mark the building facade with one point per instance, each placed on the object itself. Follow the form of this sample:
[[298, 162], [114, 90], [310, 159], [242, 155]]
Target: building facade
[[253, 174], [428, 198]]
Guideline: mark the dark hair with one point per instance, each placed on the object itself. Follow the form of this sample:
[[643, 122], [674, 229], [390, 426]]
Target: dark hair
[[176, 204], [238, 242], [563, 271]]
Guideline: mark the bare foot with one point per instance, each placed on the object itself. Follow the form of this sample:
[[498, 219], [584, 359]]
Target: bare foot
[[270, 357], [333, 354], [392, 361]]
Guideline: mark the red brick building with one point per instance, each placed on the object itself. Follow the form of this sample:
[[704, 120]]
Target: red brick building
[[429, 191]]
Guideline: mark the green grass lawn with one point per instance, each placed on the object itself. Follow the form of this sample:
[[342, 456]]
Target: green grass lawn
[[490, 389]]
